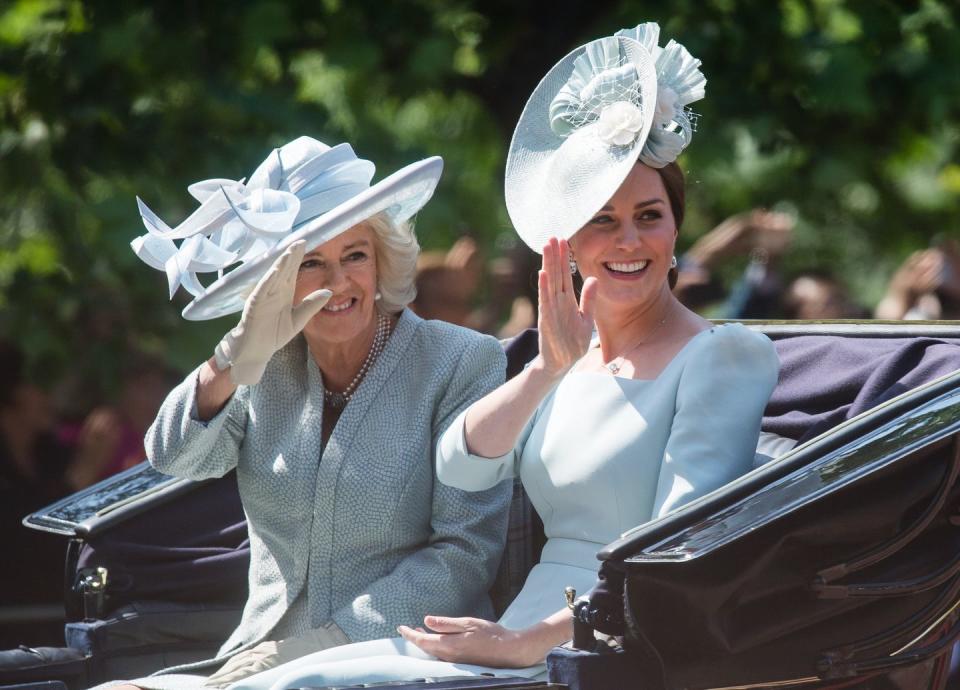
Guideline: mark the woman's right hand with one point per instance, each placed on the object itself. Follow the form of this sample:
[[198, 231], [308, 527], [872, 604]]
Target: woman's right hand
[[565, 326], [269, 320]]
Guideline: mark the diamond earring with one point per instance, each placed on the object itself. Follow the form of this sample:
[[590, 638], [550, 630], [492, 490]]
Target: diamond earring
[[673, 262], [572, 263], [377, 295]]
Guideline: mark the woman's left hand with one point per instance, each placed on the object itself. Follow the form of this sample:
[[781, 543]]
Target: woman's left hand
[[472, 641]]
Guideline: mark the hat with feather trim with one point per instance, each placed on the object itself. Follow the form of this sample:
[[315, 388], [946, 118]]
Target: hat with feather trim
[[304, 190], [604, 106]]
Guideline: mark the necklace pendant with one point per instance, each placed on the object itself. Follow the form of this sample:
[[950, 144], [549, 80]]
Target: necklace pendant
[[612, 367]]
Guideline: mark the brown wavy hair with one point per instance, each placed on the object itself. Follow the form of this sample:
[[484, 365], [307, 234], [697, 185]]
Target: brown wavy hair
[[672, 177]]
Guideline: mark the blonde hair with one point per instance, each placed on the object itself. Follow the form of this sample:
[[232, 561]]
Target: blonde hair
[[397, 249]]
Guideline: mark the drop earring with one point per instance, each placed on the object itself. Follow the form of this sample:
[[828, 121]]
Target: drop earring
[[572, 263]]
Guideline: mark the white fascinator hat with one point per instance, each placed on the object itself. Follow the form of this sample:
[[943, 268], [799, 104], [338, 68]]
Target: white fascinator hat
[[604, 106], [304, 190]]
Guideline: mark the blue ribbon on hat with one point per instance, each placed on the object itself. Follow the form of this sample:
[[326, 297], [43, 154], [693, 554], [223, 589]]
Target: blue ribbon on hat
[[239, 221]]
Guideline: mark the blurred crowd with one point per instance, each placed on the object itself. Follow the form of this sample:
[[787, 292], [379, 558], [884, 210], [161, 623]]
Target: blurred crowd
[[499, 296], [46, 454]]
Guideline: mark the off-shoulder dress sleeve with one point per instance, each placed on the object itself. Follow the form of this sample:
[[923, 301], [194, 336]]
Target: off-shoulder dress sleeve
[[723, 390]]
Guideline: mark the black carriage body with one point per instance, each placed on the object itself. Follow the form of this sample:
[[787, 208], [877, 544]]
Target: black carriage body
[[729, 591]]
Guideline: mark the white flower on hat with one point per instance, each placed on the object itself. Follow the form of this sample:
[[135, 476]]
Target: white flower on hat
[[619, 123]]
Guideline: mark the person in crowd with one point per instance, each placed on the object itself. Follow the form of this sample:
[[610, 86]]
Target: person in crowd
[[634, 406], [815, 295], [32, 461], [926, 286], [33, 468], [447, 283], [109, 439], [512, 307], [762, 291], [759, 234], [328, 399]]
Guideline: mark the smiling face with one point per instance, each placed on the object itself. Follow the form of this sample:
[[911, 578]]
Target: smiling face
[[347, 266], [629, 243]]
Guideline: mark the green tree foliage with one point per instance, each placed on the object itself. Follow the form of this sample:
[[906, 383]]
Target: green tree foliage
[[844, 111]]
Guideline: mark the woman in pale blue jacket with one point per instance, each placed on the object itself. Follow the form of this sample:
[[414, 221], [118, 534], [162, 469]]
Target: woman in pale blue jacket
[[328, 399]]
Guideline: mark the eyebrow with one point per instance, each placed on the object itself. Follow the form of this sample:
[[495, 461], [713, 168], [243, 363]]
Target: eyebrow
[[352, 245], [641, 204]]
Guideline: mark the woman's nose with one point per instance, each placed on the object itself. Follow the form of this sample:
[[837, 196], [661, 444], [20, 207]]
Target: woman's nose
[[335, 278], [629, 236]]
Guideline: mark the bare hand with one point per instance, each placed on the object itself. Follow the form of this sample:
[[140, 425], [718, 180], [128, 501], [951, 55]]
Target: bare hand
[[96, 445], [772, 231], [466, 263], [565, 326], [471, 641], [101, 432], [920, 273]]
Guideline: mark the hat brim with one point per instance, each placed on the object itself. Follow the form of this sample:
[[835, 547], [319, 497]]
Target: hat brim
[[400, 195], [554, 185]]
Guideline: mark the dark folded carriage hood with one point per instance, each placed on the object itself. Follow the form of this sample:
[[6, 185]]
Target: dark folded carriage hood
[[842, 559]]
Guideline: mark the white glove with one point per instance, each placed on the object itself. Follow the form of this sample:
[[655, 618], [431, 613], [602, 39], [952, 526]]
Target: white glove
[[267, 655], [269, 319]]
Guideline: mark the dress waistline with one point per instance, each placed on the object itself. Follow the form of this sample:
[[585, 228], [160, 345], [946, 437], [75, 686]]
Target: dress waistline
[[576, 552]]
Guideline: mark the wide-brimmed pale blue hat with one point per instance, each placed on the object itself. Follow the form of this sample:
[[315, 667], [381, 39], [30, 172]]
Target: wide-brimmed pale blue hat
[[304, 190], [604, 106]]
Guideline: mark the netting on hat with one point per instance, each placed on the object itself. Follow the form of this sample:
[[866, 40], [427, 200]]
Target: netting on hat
[[617, 82]]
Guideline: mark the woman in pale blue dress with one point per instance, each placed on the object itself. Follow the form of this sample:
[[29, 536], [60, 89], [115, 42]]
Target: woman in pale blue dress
[[634, 406]]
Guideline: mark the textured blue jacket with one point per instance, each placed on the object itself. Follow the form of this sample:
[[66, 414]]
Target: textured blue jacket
[[361, 535]]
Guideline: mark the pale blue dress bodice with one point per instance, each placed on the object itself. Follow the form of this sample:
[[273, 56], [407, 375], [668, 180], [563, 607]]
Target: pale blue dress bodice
[[604, 454]]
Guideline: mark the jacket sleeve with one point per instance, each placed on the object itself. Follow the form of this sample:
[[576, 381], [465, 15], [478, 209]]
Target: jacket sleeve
[[720, 400], [453, 572], [179, 444]]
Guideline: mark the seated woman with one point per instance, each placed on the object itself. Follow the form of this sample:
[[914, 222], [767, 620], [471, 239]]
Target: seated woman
[[634, 406], [328, 398]]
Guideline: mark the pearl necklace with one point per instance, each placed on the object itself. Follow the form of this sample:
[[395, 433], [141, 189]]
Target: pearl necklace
[[613, 367], [339, 399]]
